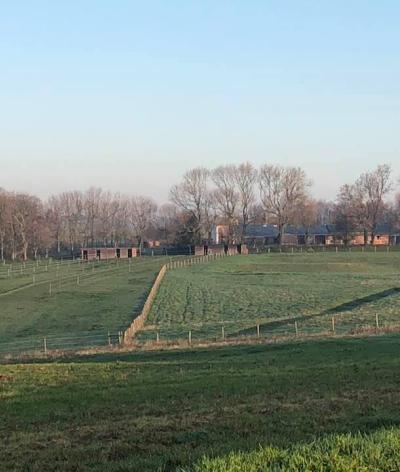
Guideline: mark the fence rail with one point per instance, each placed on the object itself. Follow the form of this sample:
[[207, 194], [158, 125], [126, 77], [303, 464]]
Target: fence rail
[[189, 334], [51, 343], [140, 320], [192, 335]]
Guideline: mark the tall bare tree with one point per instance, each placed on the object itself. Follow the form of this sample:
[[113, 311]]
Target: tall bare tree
[[26, 213], [192, 196], [362, 203], [142, 212], [226, 196], [371, 188], [55, 220], [283, 192], [347, 217], [168, 222], [246, 178]]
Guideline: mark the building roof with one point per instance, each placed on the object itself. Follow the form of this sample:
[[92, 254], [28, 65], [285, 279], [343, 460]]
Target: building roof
[[271, 231], [262, 231]]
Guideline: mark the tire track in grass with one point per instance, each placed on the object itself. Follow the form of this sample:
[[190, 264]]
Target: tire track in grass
[[187, 302]]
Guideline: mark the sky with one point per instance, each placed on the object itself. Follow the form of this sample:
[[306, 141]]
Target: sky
[[128, 95]]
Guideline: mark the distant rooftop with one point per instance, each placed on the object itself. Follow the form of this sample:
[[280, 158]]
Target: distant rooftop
[[271, 231]]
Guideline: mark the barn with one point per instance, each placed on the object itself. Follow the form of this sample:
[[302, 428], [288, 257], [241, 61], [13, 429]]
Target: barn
[[107, 253]]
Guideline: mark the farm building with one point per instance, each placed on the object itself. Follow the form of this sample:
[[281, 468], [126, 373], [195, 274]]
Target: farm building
[[395, 239], [231, 249], [106, 253], [317, 235]]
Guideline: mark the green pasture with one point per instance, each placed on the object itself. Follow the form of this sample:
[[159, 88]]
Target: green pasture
[[69, 300], [275, 290]]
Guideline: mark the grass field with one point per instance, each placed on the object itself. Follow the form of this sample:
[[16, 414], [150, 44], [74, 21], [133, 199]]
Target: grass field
[[248, 408], [108, 297], [276, 289]]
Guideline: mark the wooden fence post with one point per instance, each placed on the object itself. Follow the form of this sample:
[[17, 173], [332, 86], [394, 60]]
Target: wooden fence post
[[377, 320], [190, 337], [258, 330], [296, 328], [45, 346], [223, 332], [333, 324], [109, 338]]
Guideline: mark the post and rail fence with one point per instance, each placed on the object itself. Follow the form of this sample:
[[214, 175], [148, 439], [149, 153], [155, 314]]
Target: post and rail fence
[[192, 335]]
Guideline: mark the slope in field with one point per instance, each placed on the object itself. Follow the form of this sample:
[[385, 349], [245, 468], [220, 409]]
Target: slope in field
[[273, 290]]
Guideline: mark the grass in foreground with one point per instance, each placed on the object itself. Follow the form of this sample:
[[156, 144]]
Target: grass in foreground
[[378, 451], [166, 410]]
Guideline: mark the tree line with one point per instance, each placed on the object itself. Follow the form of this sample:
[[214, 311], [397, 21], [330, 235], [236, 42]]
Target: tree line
[[233, 195]]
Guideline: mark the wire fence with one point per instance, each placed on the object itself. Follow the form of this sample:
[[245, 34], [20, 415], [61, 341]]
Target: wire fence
[[55, 342], [198, 334], [276, 328], [57, 274]]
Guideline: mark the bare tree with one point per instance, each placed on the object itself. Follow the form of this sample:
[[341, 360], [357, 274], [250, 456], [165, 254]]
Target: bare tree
[[74, 219], [191, 196], [361, 205], [40, 237], [324, 212], [168, 222], [347, 212], [142, 212], [371, 188], [246, 177], [55, 219], [91, 206], [226, 196], [26, 213], [283, 192]]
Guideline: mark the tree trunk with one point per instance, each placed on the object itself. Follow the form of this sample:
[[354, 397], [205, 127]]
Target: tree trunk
[[281, 228], [365, 237], [372, 238], [25, 252]]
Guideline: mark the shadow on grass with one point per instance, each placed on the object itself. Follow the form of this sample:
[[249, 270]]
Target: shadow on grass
[[358, 302], [271, 326]]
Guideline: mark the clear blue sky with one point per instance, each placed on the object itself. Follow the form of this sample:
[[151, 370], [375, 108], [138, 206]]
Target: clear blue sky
[[128, 95]]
